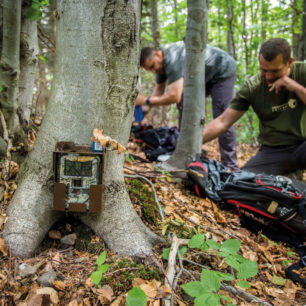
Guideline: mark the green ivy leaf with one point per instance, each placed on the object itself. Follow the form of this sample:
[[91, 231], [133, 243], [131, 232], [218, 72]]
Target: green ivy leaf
[[196, 241], [206, 299], [210, 280], [225, 276], [136, 296], [235, 260], [103, 268], [213, 244], [96, 277], [194, 288], [243, 284], [101, 258], [230, 246], [247, 269]]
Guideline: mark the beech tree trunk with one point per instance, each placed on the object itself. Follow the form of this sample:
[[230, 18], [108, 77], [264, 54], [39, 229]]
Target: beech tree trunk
[[9, 63], [28, 64], [303, 34], [96, 71], [155, 24], [230, 32], [19, 57], [190, 139]]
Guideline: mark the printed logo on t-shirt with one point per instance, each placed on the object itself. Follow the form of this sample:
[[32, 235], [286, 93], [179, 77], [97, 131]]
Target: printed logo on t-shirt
[[292, 103]]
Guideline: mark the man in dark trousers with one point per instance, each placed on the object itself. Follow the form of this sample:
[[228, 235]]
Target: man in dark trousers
[[278, 96], [220, 76]]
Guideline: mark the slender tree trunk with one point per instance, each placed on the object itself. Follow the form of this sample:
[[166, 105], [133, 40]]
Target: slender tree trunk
[[245, 36], [9, 63], [190, 138], [155, 24], [28, 63], [175, 19], [264, 17], [302, 56], [96, 71], [230, 32], [295, 36]]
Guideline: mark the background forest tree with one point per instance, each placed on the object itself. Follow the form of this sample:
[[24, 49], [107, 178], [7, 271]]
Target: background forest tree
[[238, 27]]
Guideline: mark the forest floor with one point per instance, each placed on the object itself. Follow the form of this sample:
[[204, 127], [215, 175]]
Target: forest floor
[[60, 273]]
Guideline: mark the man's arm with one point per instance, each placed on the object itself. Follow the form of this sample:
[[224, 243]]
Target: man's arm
[[221, 124], [159, 98], [289, 84]]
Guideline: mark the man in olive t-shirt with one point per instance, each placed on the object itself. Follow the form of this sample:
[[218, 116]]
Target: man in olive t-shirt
[[220, 76], [278, 96]]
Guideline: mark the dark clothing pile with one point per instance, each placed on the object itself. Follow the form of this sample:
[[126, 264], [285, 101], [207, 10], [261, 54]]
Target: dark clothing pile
[[160, 141]]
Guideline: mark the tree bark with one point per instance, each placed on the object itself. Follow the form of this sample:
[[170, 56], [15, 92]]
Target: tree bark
[[190, 139], [230, 32], [96, 71], [155, 24], [9, 63], [303, 34], [28, 63]]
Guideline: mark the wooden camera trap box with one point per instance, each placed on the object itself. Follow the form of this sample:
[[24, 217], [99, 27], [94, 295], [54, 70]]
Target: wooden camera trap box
[[78, 177]]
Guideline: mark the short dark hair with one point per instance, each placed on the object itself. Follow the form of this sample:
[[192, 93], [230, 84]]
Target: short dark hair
[[275, 46], [145, 53]]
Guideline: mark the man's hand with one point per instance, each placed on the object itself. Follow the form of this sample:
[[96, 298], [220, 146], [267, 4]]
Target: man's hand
[[141, 100], [283, 83], [286, 83]]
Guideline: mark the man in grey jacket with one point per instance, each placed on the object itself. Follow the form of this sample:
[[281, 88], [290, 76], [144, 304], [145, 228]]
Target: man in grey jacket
[[220, 76]]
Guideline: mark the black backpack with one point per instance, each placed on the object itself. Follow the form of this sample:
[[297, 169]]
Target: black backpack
[[273, 204], [266, 198]]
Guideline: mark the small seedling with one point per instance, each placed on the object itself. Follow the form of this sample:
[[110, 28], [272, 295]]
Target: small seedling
[[97, 275]]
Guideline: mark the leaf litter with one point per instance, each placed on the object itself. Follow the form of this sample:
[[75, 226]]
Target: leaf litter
[[185, 215]]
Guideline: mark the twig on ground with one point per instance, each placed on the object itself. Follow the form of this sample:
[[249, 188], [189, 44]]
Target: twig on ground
[[176, 243], [245, 295], [153, 189], [162, 172]]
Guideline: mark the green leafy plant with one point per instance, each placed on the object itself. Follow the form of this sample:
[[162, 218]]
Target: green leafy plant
[[205, 291], [166, 252], [34, 11], [97, 275], [129, 157], [136, 296]]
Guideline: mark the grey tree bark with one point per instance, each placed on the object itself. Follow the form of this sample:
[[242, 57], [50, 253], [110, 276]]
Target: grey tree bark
[[9, 63], [230, 32], [190, 139], [19, 56], [155, 24], [29, 53], [303, 34], [95, 78]]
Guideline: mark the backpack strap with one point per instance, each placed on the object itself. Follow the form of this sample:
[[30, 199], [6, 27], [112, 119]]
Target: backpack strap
[[296, 266]]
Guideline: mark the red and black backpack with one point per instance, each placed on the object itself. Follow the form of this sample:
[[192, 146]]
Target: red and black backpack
[[275, 205], [268, 199]]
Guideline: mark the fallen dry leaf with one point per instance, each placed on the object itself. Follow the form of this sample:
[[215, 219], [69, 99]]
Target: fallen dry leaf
[[106, 292], [3, 247], [3, 219], [59, 285], [54, 234], [49, 291]]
